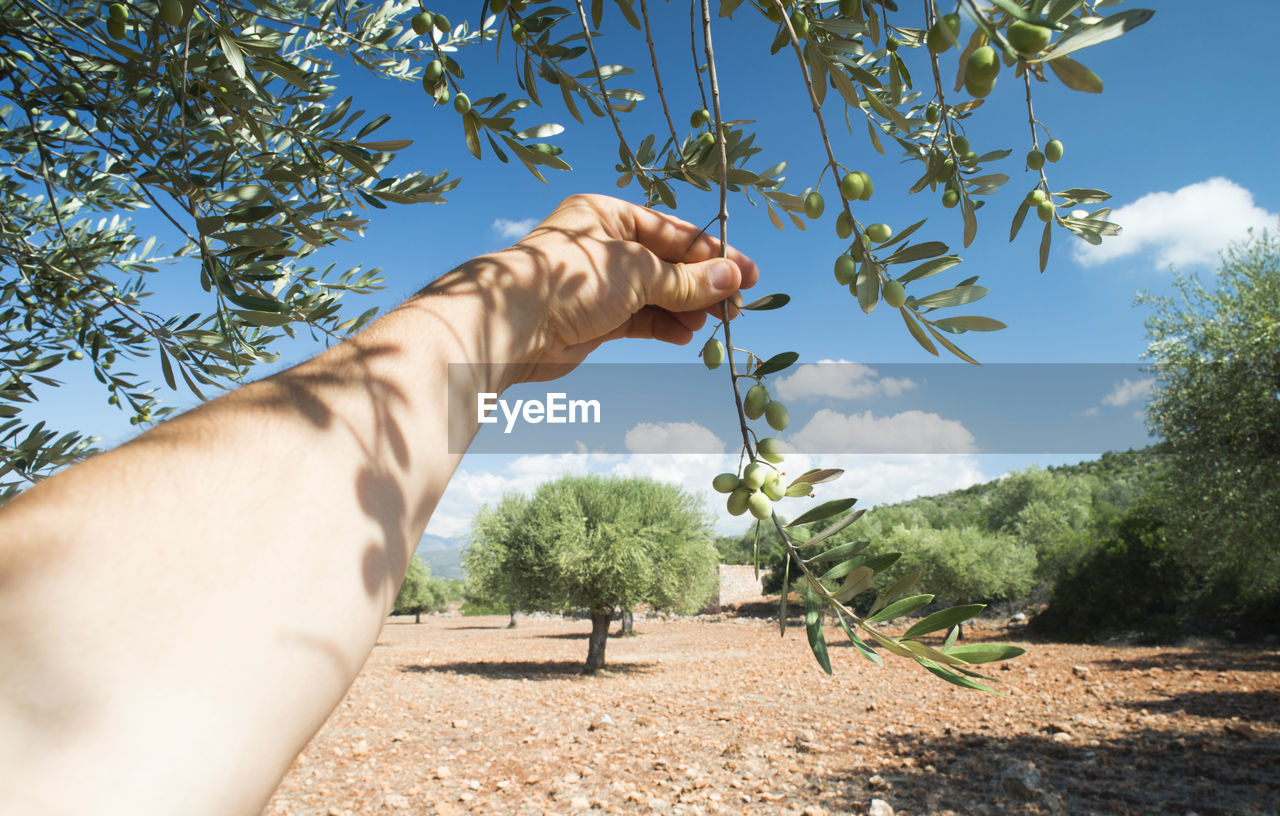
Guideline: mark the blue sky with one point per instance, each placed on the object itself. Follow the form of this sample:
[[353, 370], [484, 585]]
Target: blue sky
[[1181, 137]]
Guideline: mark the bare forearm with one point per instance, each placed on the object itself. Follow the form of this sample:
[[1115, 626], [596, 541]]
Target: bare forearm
[[179, 616], [221, 579]]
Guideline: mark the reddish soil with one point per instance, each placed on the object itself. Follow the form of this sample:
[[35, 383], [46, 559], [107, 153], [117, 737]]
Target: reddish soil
[[461, 715]]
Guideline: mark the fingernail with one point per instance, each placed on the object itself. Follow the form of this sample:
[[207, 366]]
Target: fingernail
[[720, 275]]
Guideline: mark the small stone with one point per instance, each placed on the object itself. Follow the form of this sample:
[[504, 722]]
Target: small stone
[[879, 807], [460, 723], [600, 723], [443, 773], [360, 748], [814, 810], [1080, 671], [580, 803], [1021, 780], [878, 782], [1018, 617], [395, 801]]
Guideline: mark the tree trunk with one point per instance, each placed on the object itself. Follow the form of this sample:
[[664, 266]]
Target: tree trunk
[[600, 619], [512, 623], [628, 623], [417, 616]]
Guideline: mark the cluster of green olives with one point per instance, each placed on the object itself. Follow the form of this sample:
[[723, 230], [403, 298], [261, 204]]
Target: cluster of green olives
[[1045, 208], [171, 12], [759, 486], [436, 85], [424, 21], [757, 403]]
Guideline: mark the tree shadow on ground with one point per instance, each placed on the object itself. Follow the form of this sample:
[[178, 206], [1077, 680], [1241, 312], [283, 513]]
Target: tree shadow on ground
[[1226, 658], [1257, 706], [1140, 771], [524, 669]]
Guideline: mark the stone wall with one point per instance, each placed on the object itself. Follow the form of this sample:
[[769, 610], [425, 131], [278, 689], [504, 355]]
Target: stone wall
[[738, 585]]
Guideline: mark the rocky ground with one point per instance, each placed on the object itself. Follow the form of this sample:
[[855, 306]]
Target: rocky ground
[[461, 715]]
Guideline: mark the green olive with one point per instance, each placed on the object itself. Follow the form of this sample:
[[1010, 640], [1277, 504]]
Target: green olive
[[755, 474], [461, 103], [115, 29], [814, 205], [961, 145], [775, 413], [773, 487], [699, 118], [867, 187], [441, 23], [517, 32], [726, 483], [851, 186], [760, 506], [754, 402], [931, 114], [171, 12], [737, 501], [771, 450], [844, 225], [859, 248], [1028, 39], [980, 71], [433, 71], [118, 11], [895, 294], [891, 44], [846, 270], [879, 233], [1035, 159], [1045, 210], [950, 198], [943, 33], [713, 354], [706, 140], [799, 24], [497, 6], [421, 23], [77, 354], [1053, 150]]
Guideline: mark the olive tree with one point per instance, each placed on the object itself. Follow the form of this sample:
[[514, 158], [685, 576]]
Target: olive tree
[[599, 544], [222, 116], [1215, 353], [420, 592]]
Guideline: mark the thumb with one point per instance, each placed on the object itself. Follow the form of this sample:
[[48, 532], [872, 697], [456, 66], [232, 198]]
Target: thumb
[[687, 287]]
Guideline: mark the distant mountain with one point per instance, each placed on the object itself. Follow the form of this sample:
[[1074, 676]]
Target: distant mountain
[[435, 542], [443, 555]]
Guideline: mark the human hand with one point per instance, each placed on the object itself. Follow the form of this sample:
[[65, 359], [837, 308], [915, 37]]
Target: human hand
[[597, 269]]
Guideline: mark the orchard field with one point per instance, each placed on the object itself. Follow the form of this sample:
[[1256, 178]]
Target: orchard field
[[714, 715]]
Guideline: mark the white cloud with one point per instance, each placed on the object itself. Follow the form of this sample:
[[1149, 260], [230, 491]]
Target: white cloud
[[840, 379], [1092, 411], [878, 479], [1128, 391], [906, 432], [672, 437], [513, 229], [1187, 227]]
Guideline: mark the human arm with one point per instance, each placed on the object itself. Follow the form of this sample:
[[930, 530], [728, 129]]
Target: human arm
[[179, 616]]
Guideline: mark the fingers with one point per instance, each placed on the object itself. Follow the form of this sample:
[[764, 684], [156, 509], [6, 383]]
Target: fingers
[[673, 239], [669, 238]]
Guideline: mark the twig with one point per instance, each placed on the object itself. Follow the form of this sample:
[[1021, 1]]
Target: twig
[[595, 62], [657, 78]]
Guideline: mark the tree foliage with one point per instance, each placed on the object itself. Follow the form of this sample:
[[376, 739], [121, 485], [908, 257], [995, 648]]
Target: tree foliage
[[1215, 352], [421, 592], [596, 544]]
